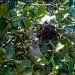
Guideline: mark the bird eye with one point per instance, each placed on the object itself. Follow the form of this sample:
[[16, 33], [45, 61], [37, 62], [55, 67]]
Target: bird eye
[[33, 40]]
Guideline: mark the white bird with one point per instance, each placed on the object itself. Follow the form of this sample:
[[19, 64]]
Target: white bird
[[35, 51], [47, 19]]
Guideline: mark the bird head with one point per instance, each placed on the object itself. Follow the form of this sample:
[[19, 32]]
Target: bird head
[[35, 41]]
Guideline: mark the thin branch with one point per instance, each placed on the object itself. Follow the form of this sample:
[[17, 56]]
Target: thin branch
[[42, 4]]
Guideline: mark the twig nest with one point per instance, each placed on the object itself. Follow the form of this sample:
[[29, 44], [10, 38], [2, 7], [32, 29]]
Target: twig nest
[[47, 32]]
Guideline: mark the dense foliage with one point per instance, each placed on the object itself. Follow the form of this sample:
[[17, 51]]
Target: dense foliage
[[21, 22]]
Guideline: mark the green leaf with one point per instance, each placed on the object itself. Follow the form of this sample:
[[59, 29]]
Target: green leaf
[[19, 22], [72, 10], [8, 27], [36, 73], [3, 8], [53, 62], [24, 20], [41, 10], [6, 71], [3, 23], [24, 63], [46, 47], [18, 68], [28, 23], [73, 73], [65, 11], [40, 61], [43, 61], [14, 13], [15, 24], [32, 14], [59, 17], [66, 22], [27, 71], [12, 73], [10, 50], [62, 54], [1, 33], [53, 46], [61, 31], [2, 51], [53, 22], [71, 67], [9, 57], [71, 37], [1, 61], [24, 12]]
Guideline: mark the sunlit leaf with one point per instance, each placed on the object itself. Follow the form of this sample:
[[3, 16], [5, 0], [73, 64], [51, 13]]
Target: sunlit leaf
[[62, 54], [53, 46], [24, 13], [41, 10], [53, 62], [40, 61], [28, 23], [9, 26], [65, 11]]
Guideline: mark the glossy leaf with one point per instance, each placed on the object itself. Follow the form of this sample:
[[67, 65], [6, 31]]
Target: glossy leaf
[[24, 64], [41, 10], [53, 46], [10, 50], [19, 22], [59, 17], [6, 71], [72, 10], [53, 62], [65, 11], [66, 22], [28, 23], [8, 27], [40, 61], [24, 20], [53, 22], [32, 14], [71, 67]]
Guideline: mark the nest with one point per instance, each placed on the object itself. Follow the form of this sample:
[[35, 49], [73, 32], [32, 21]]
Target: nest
[[46, 32]]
